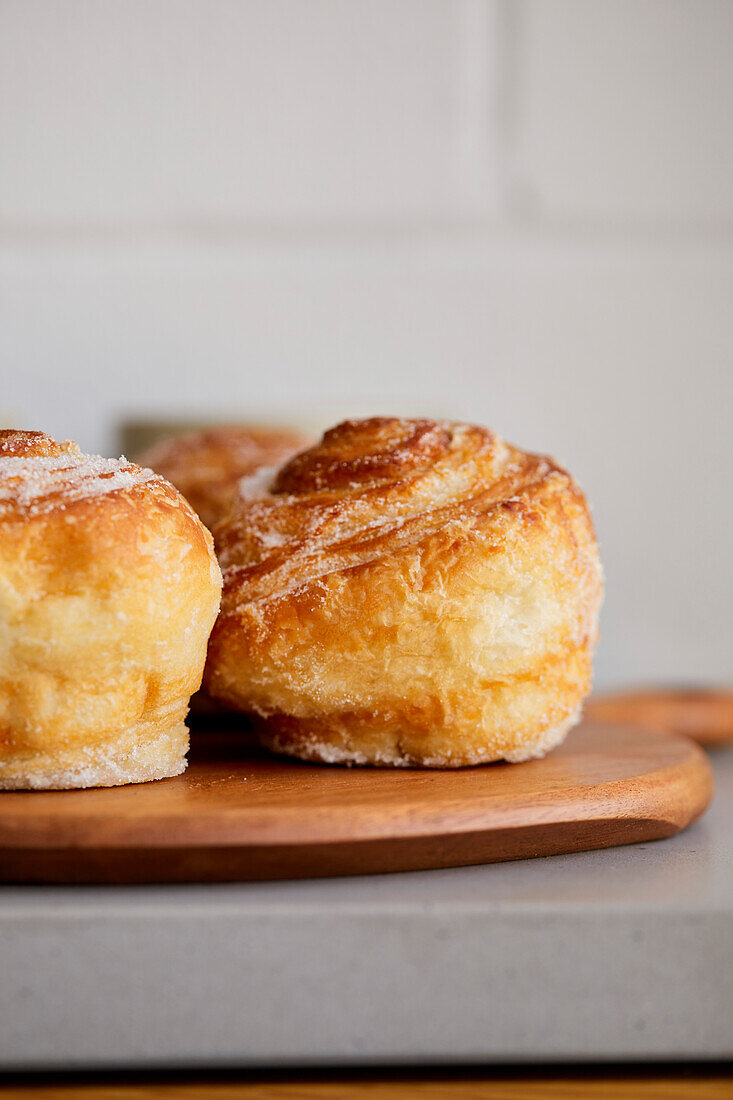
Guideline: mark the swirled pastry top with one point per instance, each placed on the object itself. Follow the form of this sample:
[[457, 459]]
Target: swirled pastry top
[[408, 592], [39, 474], [367, 489]]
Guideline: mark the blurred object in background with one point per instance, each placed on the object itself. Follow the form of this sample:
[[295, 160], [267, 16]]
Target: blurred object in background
[[206, 466], [136, 437], [704, 714], [518, 214]]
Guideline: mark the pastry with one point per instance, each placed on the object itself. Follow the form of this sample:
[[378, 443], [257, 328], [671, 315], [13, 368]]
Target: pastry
[[206, 466], [408, 592], [109, 588]]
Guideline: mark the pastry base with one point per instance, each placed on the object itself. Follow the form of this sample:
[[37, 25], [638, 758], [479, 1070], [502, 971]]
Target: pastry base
[[333, 746], [155, 757]]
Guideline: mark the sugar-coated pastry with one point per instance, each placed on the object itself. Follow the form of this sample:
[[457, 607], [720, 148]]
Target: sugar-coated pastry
[[206, 466], [408, 592], [109, 588]]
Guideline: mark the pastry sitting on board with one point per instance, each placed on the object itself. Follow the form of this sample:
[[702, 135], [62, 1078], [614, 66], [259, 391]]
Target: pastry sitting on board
[[109, 588], [408, 592]]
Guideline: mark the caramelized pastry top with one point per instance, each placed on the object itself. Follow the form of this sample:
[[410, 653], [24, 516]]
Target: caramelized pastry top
[[39, 474], [368, 488]]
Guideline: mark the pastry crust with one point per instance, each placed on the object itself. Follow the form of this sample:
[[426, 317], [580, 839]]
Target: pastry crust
[[206, 466], [109, 588], [408, 592]]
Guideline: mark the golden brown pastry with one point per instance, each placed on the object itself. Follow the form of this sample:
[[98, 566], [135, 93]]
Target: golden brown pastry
[[408, 592], [206, 466], [109, 588]]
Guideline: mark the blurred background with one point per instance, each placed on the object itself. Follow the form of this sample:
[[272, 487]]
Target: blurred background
[[515, 212]]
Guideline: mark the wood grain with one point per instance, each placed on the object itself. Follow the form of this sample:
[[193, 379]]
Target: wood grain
[[705, 714], [238, 814], [584, 1086]]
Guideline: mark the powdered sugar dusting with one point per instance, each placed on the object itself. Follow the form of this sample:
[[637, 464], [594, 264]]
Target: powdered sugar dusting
[[36, 484], [257, 486]]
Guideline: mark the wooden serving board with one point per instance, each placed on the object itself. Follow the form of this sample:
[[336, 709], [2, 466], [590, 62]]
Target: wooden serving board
[[705, 714], [238, 814]]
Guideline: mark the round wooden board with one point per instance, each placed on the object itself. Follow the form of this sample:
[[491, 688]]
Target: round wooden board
[[705, 714], [238, 814]]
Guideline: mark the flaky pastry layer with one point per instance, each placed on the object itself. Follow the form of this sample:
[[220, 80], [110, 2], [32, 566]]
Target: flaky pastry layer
[[408, 593]]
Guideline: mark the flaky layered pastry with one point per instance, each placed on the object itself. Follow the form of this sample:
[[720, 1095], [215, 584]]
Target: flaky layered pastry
[[408, 592], [206, 466], [109, 588]]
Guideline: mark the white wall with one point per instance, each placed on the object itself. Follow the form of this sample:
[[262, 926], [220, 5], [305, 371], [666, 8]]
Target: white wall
[[519, 213]]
